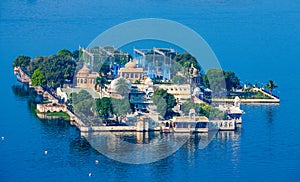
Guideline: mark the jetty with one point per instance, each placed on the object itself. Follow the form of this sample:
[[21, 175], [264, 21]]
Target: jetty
[[22, 76], [273, 99]]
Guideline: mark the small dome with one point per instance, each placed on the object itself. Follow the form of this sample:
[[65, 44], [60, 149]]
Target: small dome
[[130, 64], [237, 99], [84, 71], [197, 89], [148, 81]]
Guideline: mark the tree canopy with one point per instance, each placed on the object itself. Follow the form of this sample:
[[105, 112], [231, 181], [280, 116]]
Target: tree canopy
[[104, 69], [203, 109], [164, 102], [107, 106], [83, 103], [104, 107], [214, 79], [121, 107], [64, 52], [75, 54], [186, 60], [22, 62], [38, 78], [231, 80], [56, 69], [271, 86], [123, 86], [217, 80]]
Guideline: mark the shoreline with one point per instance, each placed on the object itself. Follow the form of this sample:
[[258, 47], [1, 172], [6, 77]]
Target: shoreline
[[249, 101], [61, 110]]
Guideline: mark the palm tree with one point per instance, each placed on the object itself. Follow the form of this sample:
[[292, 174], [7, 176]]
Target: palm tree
[[271, 86], [100, 81], [123, 86]]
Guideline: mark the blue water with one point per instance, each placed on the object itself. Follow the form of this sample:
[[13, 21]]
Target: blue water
[[258, 40]]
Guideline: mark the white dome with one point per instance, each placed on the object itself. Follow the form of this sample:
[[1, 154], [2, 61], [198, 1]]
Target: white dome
[[148, 81], [197, 89], [114, 83]]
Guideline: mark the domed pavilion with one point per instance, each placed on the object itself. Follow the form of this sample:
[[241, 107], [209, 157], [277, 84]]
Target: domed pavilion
[[131, 71], [85, 78]]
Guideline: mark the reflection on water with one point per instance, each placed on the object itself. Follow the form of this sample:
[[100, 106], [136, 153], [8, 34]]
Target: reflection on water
[[79, 146], [270, 112], [23, 91], [146, 147], [142, 148], [50, 123], [20, 90]]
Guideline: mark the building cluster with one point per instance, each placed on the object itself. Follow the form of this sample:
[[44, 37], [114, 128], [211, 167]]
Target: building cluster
[[140, 77], [140, 74]]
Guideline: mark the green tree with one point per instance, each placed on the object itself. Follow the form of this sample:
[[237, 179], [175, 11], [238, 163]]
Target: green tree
[[271, 86], [123, 87], [203, 109], [104, 69], [214, 79], [186, 60], [231, 80], [122, 58], [121, 107], [104, 106], [100, 82], [164, 102], [85, 107], [80, 96], [22, 62], [75, 54], [83, 103], [56, 68], [35, 64], [64, 52], [38, 78]]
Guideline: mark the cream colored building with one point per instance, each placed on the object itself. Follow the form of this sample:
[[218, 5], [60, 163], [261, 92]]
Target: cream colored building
[[131, 71], [85, 78], [181, 92]]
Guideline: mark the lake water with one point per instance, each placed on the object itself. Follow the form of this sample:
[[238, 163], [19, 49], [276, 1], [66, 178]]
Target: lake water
[[257, 40]]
